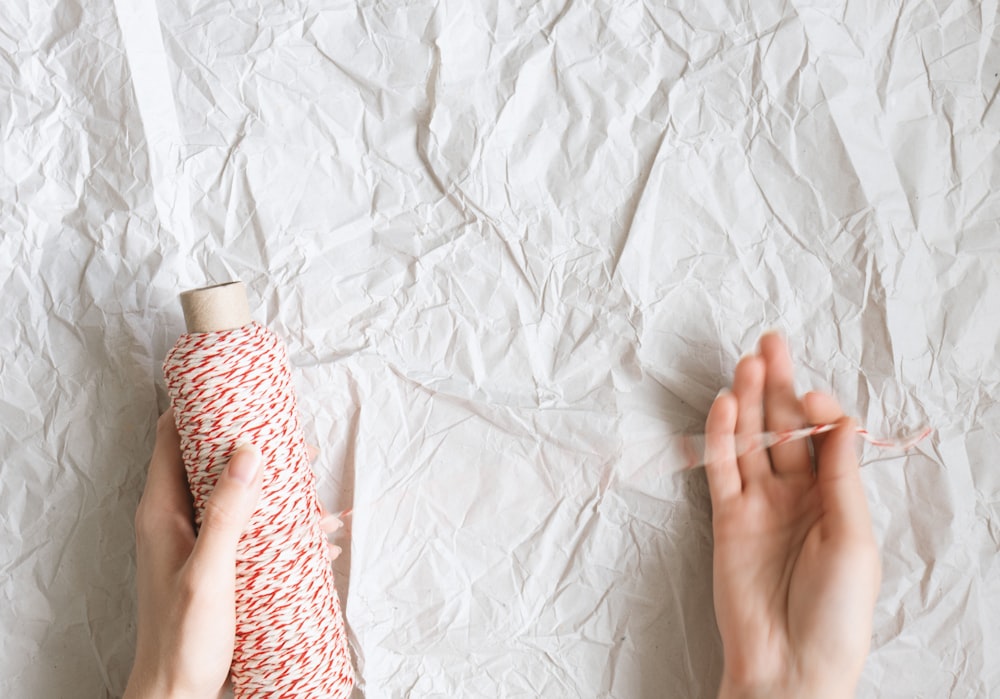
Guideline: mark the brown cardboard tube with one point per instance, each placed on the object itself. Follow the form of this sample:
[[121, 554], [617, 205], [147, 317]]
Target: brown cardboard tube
[[216, 308]]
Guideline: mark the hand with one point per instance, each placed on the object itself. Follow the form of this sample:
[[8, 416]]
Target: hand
[[186, 584], [796, 567]]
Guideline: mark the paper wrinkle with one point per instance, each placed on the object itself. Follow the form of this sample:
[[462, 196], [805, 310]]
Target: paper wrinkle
[[514, 250]]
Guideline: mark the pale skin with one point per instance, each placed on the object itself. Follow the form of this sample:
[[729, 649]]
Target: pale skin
[[186, 583], [796, 566]]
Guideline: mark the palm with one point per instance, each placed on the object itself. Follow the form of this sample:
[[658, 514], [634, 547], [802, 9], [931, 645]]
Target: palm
[[760, 572]]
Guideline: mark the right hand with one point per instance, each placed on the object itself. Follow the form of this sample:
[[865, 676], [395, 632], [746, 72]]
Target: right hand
[[796, 566]]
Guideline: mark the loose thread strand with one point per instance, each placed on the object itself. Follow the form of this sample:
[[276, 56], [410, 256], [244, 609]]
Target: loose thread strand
[[694, 444]]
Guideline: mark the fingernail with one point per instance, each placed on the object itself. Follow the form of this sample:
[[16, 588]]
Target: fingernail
[[330, 523], [724, 391], [244, 462]]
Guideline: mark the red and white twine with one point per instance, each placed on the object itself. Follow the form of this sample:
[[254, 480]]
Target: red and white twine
[[694, 445], [234, 386]]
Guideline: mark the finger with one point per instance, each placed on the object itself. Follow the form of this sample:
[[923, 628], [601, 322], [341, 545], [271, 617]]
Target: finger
[[166, 488], [724, 481], [820, 409], [164, 526], [782, 408], [312, 452], [329, 523], [229, 509], [334, 550], [748, 387], [838, 478]]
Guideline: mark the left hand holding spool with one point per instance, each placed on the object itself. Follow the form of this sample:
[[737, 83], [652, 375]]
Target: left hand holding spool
[[283, 634], [186, 585]]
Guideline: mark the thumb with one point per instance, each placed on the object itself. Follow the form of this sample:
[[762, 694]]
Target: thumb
[[230, 507]]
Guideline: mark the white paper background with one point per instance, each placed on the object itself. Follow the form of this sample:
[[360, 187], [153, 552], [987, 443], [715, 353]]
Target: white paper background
[[512, 247]]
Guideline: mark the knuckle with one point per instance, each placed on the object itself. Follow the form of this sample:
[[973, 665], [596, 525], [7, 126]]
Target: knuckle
[[153, 523]]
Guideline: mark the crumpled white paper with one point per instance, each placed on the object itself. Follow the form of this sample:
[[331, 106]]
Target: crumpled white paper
[[512, 248]]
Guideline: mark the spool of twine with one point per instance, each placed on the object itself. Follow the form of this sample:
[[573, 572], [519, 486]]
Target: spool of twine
[[229, 381]]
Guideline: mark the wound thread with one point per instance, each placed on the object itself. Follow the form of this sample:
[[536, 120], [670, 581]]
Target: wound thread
[[233, 386]]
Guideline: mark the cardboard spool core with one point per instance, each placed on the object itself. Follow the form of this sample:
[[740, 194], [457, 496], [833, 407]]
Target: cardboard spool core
[[216, 308]]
